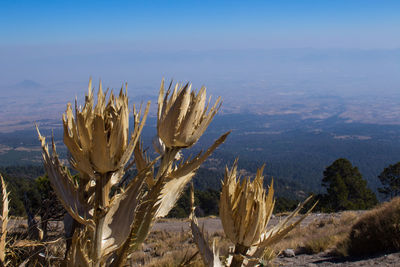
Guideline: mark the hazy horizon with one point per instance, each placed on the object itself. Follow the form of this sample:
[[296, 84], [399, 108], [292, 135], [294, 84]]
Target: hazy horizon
[[333, 57], [372, 69]]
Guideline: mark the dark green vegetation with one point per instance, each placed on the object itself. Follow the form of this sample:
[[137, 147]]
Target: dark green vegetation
[[390, 179], [20, 181], [31, 192], [296, 152], [346, 189], [28, 183], [206, 202], [299, 150], [50, 208]]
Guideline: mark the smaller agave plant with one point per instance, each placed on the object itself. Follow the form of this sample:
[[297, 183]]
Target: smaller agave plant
[[245, 209], [100, 147], [4, 223]]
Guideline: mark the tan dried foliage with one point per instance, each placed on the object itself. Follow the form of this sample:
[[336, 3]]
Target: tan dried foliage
[[4, 222], [245, 210], [210, 257], [183, 116], [376, 231], [100, 146]]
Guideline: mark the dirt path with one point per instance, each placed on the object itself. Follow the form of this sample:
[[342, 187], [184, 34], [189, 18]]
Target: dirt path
[[213, 224], [322, 259]]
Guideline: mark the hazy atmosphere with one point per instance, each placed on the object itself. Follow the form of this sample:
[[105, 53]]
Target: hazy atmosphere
[[248, 53], [310, 90]]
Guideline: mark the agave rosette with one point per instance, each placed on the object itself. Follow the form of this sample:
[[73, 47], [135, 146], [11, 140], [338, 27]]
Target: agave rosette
[[183, 116], [245, 208], [97, 136]]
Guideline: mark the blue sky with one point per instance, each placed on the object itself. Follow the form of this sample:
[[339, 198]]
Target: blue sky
[[208, 42], [198, 25]]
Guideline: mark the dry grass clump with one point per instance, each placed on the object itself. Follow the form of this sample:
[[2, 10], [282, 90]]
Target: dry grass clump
[[174, 258], [166, 248], [377, 231], [319, 235]]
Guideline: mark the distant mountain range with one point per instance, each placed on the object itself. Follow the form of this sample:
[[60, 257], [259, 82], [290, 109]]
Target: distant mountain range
[[27, 84]]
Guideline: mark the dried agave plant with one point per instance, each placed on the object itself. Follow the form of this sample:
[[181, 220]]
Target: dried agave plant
[[100, 147], [4, 223], [10, 248], [245, 210]]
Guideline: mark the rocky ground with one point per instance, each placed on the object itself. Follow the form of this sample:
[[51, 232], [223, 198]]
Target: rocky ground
[[213, 227], [323, 259]]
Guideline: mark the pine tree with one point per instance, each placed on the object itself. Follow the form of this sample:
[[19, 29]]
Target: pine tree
[[390, 179], [346, 190]]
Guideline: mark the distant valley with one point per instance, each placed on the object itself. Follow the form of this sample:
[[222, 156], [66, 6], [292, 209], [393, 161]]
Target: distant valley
[[295, 110], [295, 149]]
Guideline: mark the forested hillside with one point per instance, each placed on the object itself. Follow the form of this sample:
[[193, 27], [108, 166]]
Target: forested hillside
[[295, 150]]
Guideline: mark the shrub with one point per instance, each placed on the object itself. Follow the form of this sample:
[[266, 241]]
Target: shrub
[[377, 231]]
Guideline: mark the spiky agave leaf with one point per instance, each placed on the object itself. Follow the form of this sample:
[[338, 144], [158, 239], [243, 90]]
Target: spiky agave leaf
[[78, 255], [278, 232], [228, 194], [4, 223], [139, 121], [143, 221], [192, 165], [64, 186], [141, 158], [142, 161], [122, 212], [210, 258], [217, 262], [171, 192], [180, 176]]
